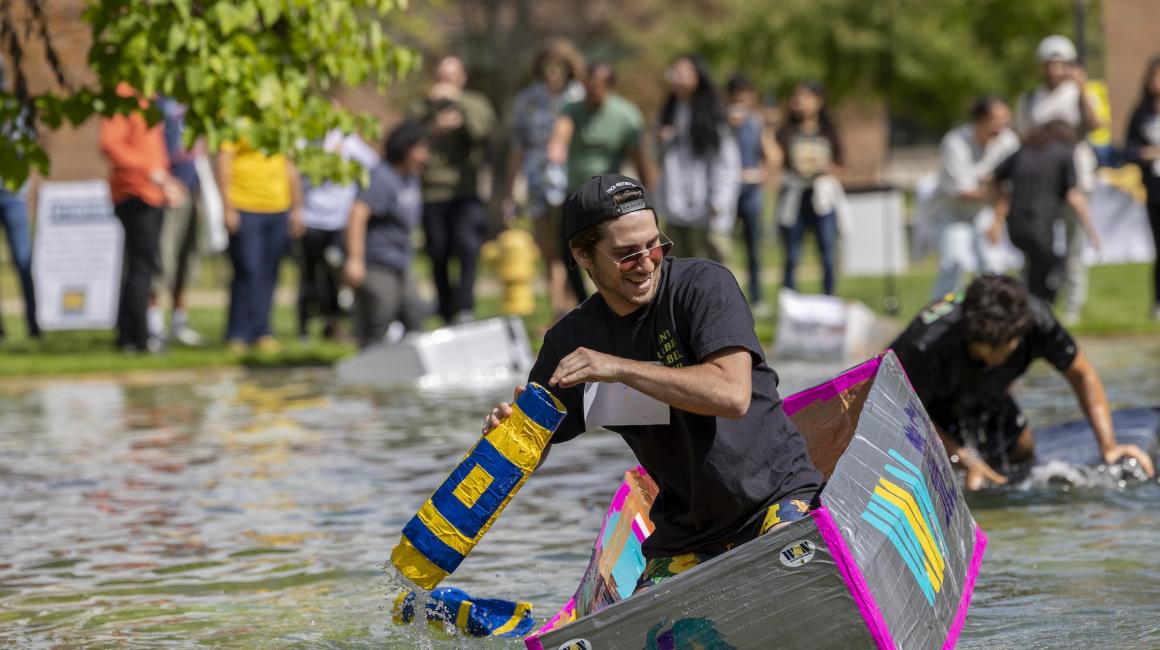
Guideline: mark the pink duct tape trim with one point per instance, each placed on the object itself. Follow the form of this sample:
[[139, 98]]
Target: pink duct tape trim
[[852, 576], [550, 625], [832, 388], [617, 506], [968, 589], [618, 500]]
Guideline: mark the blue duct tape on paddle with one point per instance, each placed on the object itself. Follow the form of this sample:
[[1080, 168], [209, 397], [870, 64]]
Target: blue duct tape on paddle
[[450, 523], [476, 617]]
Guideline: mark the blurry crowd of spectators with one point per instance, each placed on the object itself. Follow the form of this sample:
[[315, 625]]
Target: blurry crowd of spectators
[[708, 157]]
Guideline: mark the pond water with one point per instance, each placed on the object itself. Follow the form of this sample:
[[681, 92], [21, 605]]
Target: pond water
[[255, 509]]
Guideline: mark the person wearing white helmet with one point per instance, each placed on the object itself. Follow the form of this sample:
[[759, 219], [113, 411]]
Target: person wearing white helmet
[[1062, 97]]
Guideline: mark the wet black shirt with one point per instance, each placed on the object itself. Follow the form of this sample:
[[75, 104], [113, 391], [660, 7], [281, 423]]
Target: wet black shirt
[[953, 386], [715, 475]]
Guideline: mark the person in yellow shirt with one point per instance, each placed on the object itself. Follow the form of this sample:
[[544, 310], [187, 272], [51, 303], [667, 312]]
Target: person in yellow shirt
[[262, 197]]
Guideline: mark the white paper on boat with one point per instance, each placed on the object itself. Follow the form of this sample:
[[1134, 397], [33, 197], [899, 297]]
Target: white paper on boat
[[617, 405]]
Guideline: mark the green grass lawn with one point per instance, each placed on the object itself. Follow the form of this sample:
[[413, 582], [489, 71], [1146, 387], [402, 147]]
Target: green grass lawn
[[1118, 304]]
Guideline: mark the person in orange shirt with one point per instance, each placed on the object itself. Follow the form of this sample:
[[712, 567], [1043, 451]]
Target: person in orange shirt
[[141, 188]]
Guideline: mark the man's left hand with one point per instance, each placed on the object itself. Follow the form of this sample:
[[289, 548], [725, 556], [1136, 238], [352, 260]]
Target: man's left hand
[[585, 365], [1131, 451]]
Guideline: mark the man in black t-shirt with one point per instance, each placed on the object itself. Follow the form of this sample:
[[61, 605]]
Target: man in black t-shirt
[[729, 463], [963, 353]]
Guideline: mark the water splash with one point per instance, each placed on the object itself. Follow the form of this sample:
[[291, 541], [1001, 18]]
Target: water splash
[[1066, 477], [397, 587]]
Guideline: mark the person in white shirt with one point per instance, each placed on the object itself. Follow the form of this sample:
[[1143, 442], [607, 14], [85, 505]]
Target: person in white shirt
[[967, 157], [325, 209], [1062, 97]]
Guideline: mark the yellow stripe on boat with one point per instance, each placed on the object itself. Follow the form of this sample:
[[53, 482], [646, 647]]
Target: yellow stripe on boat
[[932, 560], [914, 515]]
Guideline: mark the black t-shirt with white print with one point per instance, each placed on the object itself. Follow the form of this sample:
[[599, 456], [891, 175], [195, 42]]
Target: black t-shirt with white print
[[716, 475], [956, 388]]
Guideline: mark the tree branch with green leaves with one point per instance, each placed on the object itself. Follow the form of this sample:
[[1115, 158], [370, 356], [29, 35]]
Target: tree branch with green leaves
[[259, 71]]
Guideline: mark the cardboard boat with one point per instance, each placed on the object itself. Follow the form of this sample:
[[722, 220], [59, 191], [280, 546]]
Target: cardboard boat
[[489, 351], [889, 560]]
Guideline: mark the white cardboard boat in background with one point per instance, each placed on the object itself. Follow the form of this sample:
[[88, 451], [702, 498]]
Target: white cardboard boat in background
[[827, 328], [470, 354]]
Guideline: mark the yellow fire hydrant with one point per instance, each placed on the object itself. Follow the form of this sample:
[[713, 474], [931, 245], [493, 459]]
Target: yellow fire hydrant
[[513, 255]]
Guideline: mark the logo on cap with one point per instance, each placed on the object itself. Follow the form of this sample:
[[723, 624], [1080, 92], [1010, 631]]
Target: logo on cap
[[618, 186]]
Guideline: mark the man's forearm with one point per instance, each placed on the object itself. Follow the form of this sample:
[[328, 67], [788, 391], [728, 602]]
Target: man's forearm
[[356, 232], [1089, 391], [1090, 120], [959, 455], [224, 173], [954, 449], [295, 185], [1079, 204], [703, 389]]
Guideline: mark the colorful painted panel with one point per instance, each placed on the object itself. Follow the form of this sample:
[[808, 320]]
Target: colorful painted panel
[[903, 512], [617, 560]]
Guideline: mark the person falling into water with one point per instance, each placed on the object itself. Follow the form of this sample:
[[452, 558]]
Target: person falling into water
[[963, 353], [730, 464]]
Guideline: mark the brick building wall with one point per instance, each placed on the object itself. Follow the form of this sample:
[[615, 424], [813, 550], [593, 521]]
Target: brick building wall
[[1132, 29]]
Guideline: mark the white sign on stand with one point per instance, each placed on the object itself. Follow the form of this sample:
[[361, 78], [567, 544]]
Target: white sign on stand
[[876, 244], [76, 256]]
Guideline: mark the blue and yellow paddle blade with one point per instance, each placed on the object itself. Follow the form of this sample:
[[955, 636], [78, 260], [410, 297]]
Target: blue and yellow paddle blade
[[477, 617], [464, 507]]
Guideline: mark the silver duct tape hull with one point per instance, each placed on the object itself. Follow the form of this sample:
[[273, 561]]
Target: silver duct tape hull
[[810, 606], [920, 604], [892, 553]]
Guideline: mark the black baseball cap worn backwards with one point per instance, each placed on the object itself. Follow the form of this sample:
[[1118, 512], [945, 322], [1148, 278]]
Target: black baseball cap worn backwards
[[592, 203]]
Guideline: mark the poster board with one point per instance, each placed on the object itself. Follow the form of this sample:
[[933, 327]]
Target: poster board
[[76, 256], [876, 243]]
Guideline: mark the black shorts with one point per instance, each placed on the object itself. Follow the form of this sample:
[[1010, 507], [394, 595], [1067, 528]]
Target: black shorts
[[993, 433]]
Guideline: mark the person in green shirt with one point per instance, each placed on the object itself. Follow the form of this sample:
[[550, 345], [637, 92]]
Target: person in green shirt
[[459, 123], [594, 136]]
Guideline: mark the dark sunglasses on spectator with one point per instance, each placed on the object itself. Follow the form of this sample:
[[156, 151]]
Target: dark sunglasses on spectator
[[654, 253]]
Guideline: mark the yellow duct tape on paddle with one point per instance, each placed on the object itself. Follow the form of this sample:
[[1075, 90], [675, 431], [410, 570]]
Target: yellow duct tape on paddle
[[465, 506]]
